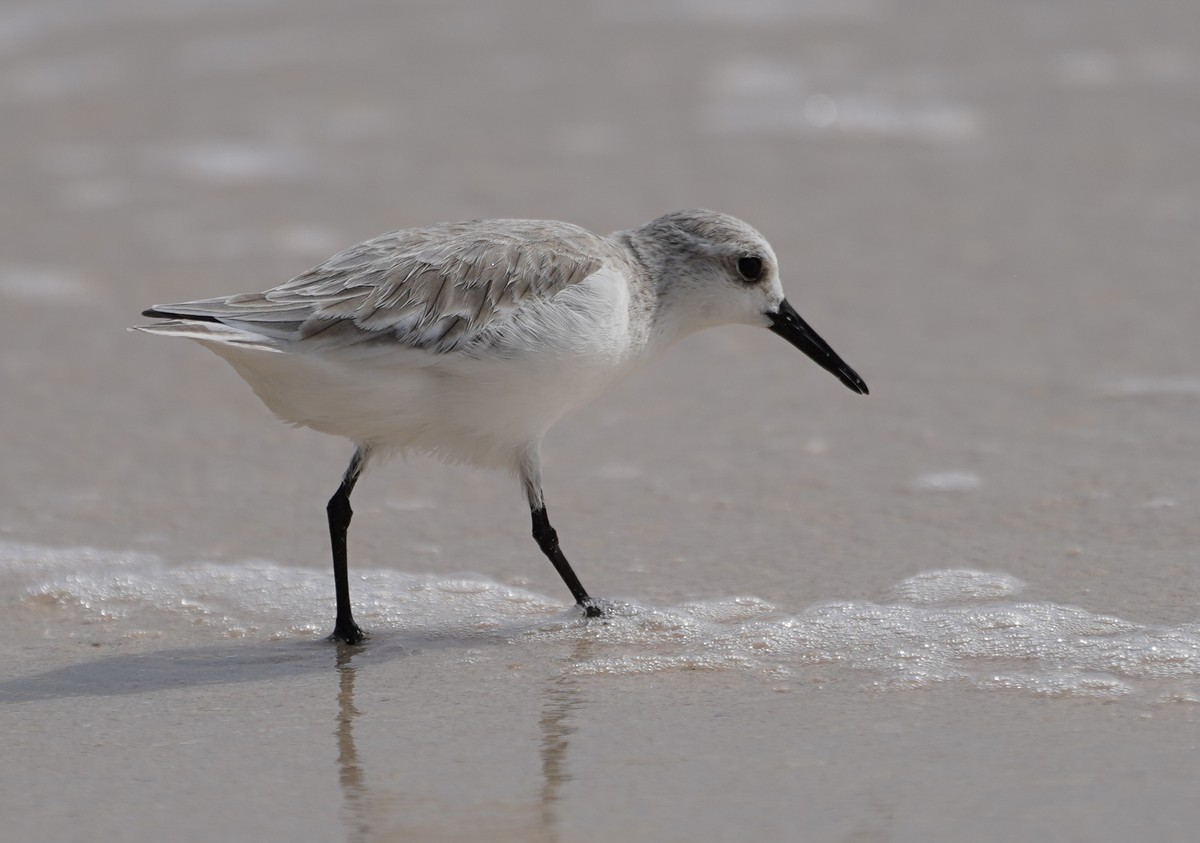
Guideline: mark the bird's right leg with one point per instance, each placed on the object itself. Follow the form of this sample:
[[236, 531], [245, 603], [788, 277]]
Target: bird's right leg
[[339, 512]]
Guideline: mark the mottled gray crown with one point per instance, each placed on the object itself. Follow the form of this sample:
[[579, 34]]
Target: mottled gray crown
[[702, 232]]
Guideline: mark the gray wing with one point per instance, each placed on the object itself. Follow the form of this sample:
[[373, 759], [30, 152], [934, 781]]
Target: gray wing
[[435, 288]]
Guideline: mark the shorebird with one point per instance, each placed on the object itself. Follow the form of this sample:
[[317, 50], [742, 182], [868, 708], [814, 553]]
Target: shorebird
[[468, 340]]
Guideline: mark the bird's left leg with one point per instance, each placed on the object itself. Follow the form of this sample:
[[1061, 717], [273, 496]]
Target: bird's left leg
[[530, 471]]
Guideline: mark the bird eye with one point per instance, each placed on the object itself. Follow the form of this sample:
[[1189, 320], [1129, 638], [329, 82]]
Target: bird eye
[[750, 267]]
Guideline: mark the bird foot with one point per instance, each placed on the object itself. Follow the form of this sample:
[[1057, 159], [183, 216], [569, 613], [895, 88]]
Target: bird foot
[[348, 633], [591, 610]]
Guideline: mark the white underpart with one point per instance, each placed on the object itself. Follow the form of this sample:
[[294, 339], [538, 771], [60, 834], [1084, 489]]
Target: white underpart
[[559, 353]]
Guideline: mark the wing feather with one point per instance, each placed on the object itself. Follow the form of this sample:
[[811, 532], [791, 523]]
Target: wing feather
[[437, 288]]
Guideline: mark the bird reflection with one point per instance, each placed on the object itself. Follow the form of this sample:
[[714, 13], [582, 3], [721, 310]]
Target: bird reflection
[[561, 701], [350, 773]]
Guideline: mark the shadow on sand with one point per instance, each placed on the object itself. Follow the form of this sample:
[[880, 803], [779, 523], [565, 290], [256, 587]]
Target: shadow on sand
[[241, 661]]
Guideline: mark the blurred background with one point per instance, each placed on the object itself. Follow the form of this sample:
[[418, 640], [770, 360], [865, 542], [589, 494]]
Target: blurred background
[[989, 209]]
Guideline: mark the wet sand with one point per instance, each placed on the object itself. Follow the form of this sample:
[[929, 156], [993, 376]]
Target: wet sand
[[965, 607]]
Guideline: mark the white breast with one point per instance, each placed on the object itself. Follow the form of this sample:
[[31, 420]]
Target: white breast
[[479, 406]]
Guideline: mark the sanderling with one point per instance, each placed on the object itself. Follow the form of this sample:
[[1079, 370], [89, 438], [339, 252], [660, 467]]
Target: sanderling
[[469, 340]]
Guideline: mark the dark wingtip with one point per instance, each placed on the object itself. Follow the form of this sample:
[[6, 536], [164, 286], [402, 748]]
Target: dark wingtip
[[155, 313]]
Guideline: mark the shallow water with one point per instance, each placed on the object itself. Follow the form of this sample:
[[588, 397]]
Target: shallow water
[[483, 708], [956, 626], [965, 607]]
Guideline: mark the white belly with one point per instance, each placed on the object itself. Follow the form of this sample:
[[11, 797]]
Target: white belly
[[481, 409]]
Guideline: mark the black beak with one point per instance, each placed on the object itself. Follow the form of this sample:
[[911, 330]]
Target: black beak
[[787, 323]]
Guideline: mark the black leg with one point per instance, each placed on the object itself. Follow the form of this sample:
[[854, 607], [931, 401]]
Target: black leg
[[340, 513], [547, 540]]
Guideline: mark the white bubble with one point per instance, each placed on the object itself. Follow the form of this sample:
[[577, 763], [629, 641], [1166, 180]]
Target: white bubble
[[946, 481], [953, 626]]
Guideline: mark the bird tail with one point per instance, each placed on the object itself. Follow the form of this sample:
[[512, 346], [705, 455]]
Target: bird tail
[[207, 330]]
